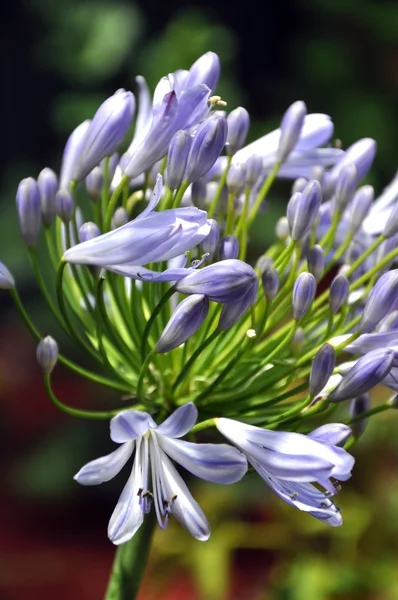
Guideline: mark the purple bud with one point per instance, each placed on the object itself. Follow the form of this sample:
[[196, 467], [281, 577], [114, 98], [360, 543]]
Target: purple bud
[[316, 262], [317, 172], [303, 209], [389, 323], [88, 231], [6, 279], [303, 294], [229, 247], [210, 243], [263, 263], [119, 218], [236, 178], [391, 227], [105, 132], [380, 301], [358, 406], [338, 293], [223, 282], [238, 128], [184, 322], [232, 312], [254, 167], [360, 207], [299, 185], [361, 154], [204, 70], [29, 210], [47, 354], [94, 183], [322, 368], [72, 152], [48, 186], [291, 126], [207, 145], [65, 205], [270, 282], [368, 371], [345, 187], [179, 148], [199, 193]]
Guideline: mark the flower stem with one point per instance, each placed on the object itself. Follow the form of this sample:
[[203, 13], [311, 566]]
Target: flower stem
[[130, 562]]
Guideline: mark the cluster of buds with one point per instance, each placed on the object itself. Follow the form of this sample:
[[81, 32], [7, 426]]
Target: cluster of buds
[[152, 281]]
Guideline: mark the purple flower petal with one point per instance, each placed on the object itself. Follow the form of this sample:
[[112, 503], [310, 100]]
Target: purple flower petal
[[105, 468], [180, 422], [218, 463], [130, 425]]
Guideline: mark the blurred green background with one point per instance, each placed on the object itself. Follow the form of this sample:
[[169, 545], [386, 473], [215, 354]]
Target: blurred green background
[[60, 60]]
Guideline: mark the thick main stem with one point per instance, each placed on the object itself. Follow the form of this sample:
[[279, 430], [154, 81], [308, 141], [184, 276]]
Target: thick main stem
[[130, 561]]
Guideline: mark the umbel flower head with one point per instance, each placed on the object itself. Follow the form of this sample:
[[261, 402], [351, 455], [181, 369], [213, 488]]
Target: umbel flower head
[[153, 446], [157, 279]]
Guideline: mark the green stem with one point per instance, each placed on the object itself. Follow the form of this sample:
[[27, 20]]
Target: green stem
[[130, 562], [112, 203], [151, 320]]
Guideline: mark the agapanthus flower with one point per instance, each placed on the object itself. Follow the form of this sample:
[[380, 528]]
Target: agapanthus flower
[[153, 446], [291, 463]]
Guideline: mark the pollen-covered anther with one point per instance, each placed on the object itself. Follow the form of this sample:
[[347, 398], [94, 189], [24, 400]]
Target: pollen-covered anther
[[216, 101]]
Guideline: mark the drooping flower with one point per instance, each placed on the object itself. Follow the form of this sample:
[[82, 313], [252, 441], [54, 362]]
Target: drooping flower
[[153, 445], [290, 463], [151, 237]]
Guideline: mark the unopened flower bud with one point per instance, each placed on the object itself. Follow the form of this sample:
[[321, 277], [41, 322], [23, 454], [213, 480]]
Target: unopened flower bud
[[179, 148], [65, 205], [303, 294], [368, 371], [105, 132], [94, 183], [291, 126], [389, 323], [317, 172], [29, 210], [236, 178], [298, 185], [282, 229], [184, 322], [47, 354], [48, 184], [232, 312], [360, 207], [207, 145], [338, 293], [358, 406], [238, 128], [316, 261], [88, 231], [380, 301], [345, 187], [229, 247], [302, 210], [270, 282], [199, 193], [224, 281], [391, 227], [206, 69], [119, 218], [322, 368], [210, 243], [6, 279], [72, 152], [264, 263], [254, 167]]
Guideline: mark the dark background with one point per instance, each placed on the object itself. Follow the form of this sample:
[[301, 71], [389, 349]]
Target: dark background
[[59, 60]]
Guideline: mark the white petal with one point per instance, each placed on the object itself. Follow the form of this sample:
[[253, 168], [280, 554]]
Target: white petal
[[105, 468]]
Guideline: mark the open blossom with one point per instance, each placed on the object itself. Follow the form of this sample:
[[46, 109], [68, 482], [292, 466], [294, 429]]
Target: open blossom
[[151, 237], [291, 463], [153, 445]]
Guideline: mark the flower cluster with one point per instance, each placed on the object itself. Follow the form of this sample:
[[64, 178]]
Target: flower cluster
[[147, 240]]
